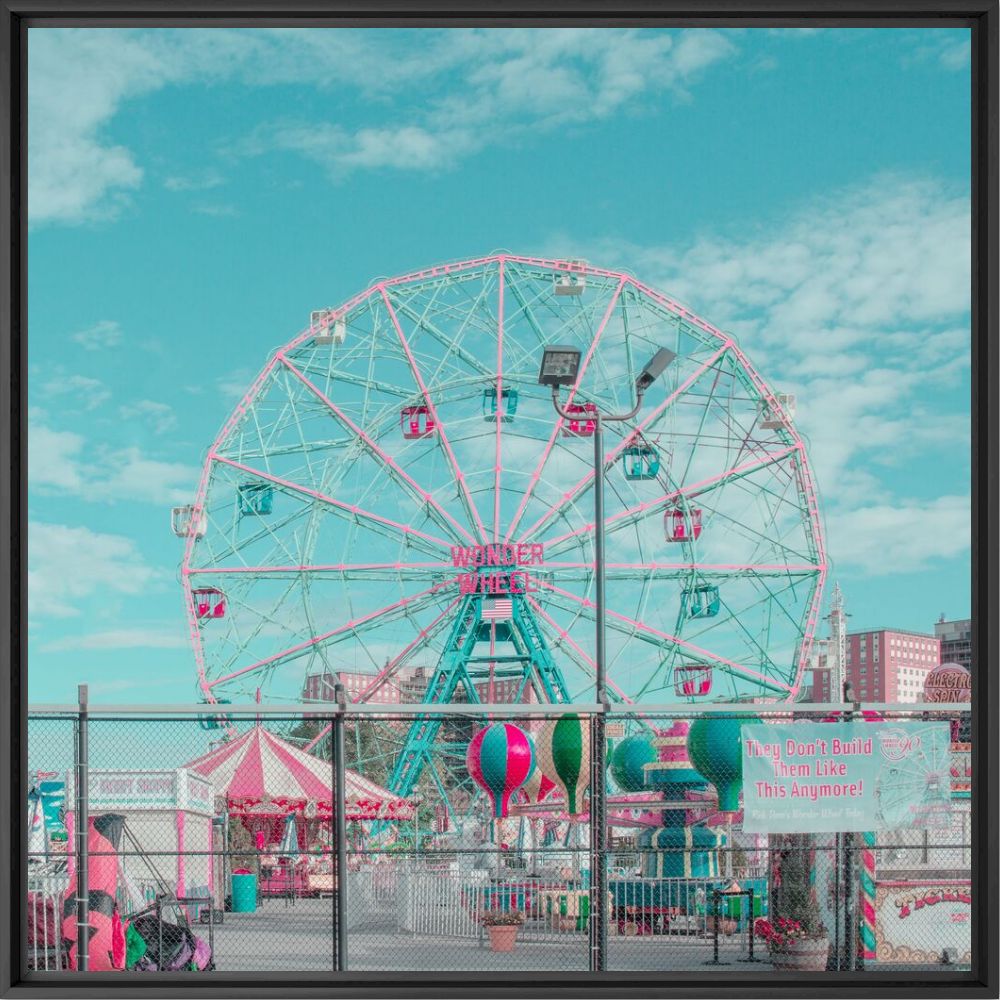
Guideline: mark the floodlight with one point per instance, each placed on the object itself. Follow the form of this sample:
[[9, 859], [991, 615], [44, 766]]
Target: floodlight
[[654, 369], [560, 365]]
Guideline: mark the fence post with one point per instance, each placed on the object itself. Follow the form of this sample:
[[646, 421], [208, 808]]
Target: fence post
[[82, 754], [341, 826], [334, 870]]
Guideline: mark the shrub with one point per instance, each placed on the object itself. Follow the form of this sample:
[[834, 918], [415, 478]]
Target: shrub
[[502, 918]]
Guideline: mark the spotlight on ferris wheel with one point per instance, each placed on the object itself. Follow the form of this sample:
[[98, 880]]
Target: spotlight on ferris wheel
[[560, 365], [655, 367]]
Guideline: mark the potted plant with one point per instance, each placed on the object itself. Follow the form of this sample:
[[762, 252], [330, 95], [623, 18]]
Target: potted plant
[[503, 926], [795, 935]]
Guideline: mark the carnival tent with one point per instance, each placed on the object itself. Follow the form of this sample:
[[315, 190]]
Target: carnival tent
[[261, 774]]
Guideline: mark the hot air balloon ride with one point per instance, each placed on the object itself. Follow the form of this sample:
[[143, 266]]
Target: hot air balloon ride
[[500, 758], [564, 755], [715, 749]]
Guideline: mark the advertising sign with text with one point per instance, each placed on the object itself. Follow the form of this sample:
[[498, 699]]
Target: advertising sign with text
[[841, 776]]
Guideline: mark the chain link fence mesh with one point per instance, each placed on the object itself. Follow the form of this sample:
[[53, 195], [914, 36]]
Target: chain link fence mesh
[[214, 846]]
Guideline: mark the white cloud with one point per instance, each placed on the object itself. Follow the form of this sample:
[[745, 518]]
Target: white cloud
[[856, 304], [124, 638], [513, 84], [950, 52], [903, 536], [196, 182], [234, 385], [218, 211], [129, 475], [106, 333], [62, 462], [524, 79], [54, 458], [88, 393], [859, 304], [160, 416], [67, 565]]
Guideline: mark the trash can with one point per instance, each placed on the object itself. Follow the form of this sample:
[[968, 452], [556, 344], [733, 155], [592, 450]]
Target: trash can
[[244, 891]]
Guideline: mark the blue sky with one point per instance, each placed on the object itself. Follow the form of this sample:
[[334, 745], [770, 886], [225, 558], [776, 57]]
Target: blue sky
[[193, 194]]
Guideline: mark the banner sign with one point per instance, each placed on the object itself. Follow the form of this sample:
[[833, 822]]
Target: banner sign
[[52, 793], [830, 777]]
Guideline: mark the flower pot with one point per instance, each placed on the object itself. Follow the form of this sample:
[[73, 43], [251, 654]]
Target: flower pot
[[808, 954], [727, 925], [502, 936]]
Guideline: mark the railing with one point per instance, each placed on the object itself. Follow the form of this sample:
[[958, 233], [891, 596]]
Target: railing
[[45, 916]]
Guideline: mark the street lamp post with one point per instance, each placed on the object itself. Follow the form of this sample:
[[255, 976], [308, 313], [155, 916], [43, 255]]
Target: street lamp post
[[560, 366]]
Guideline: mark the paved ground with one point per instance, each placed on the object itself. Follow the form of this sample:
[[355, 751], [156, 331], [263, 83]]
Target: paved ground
[[298, 938]]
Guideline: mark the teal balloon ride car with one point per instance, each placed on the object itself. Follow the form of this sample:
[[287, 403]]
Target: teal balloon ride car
[[715, 749], [629, 761]]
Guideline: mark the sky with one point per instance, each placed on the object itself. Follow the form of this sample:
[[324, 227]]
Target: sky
[[193, 194]]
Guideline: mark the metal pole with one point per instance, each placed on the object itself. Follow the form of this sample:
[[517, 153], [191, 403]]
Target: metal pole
[[341, 833], [598, 791], [82, 754], [334, 872]]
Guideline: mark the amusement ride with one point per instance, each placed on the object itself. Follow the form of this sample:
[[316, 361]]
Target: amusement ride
[[395, 491]]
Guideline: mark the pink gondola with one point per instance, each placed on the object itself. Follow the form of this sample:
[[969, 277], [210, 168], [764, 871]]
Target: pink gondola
[[682, 526], [416, 421], [209, 603], [693, 680], [582, 422]]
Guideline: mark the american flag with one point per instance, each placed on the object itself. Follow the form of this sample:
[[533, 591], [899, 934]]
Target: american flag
[[500, 609]]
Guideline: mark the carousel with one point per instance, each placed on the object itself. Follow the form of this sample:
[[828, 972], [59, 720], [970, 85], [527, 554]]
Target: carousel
[[284, 797]]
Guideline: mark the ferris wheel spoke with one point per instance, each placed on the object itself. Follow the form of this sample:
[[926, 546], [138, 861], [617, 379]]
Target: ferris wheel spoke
[[623, 623], [636, 513], [397, 472], [422, 639], [582, 659], [353, 510], [239, 640], [557, 426], [235, 546], [385, 614], [733, 619], [402, 305], [468, 503], [393, 666]]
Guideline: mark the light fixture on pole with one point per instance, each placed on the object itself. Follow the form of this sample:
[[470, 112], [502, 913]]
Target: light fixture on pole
[[561, 366]]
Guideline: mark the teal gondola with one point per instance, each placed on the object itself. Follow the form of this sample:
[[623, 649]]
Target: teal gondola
[[256, 498], [640, 462], [508, 399], [700, 602], [210, 722]]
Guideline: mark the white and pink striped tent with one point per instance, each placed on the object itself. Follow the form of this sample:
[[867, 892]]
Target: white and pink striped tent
[[261, 774]]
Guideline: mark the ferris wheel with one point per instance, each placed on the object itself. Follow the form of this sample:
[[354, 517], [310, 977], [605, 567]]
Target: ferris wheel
[[395, 492]]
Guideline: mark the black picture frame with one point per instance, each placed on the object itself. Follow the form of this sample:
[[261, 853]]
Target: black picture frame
[[981, 16]]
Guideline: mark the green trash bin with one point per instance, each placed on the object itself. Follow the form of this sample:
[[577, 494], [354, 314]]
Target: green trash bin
[[244, 892]]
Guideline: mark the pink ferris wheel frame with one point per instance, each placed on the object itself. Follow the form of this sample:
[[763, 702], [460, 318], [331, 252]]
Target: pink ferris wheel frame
[[464, 523]]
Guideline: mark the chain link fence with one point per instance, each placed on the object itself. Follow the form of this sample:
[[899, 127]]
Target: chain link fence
[[242, 842]]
